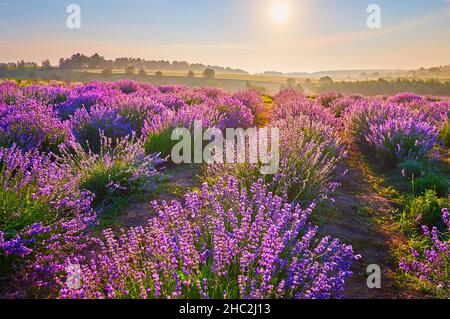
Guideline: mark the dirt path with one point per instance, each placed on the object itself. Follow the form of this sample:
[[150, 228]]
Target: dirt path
[[180, 180], [363, 218]]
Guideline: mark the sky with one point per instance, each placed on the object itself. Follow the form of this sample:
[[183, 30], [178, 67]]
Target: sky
[[317, 34]]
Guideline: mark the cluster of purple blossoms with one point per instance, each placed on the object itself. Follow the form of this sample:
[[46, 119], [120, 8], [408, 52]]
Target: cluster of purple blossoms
[[402, 138], [340, 105], [393, 132], [87, 125], [82, 98], [137, 109], [10, 92], [222, 113], [32, 125], [432, 265], [309, 163], [228, 112], [438, 113], [407, 99], [50, 94], [221, 243], [292, 103], [252, 100]]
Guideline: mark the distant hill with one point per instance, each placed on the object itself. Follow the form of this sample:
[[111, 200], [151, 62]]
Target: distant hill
[[365, 74]]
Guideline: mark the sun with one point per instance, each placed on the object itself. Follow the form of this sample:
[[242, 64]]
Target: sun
[[279, 12]]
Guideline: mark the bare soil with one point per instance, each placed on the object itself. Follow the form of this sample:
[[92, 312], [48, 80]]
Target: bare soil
[[181, 179], [363, 218]]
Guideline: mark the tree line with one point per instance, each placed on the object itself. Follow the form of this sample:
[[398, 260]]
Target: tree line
[[81, 61]]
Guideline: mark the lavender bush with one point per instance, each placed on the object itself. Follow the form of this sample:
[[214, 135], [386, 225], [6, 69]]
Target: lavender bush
[[30, 124], [407, 99], [340, 105], [119, 168], [432, 266], [50, 94], [308, 162], [326, 99], [400, 139], [10, 92], [393, 133], [310, 152], [222, 243], [291, 103], [88, 125], [253, 101], [139, 109]]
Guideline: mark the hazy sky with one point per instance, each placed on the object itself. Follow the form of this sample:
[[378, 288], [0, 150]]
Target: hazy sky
[[319, 34]]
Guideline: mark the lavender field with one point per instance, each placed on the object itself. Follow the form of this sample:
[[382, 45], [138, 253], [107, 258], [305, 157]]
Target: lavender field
[[93, 206]]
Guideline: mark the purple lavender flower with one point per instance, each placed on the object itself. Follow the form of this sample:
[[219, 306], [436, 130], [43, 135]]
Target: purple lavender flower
[[394, 133], [432, 265], [30, 124]]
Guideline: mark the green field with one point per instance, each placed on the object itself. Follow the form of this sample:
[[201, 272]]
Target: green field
[[392, 83]]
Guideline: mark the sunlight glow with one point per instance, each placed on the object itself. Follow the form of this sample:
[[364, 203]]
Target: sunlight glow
[[279, 12]]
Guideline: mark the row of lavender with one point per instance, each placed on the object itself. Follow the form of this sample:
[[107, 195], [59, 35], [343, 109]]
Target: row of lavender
[[406, 133], [65, 149], [410, 134]]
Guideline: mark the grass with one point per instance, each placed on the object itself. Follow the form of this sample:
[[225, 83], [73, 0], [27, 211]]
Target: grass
[[160, 142], [18, 210], [101, 175], [418, 204], [111, 209]]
